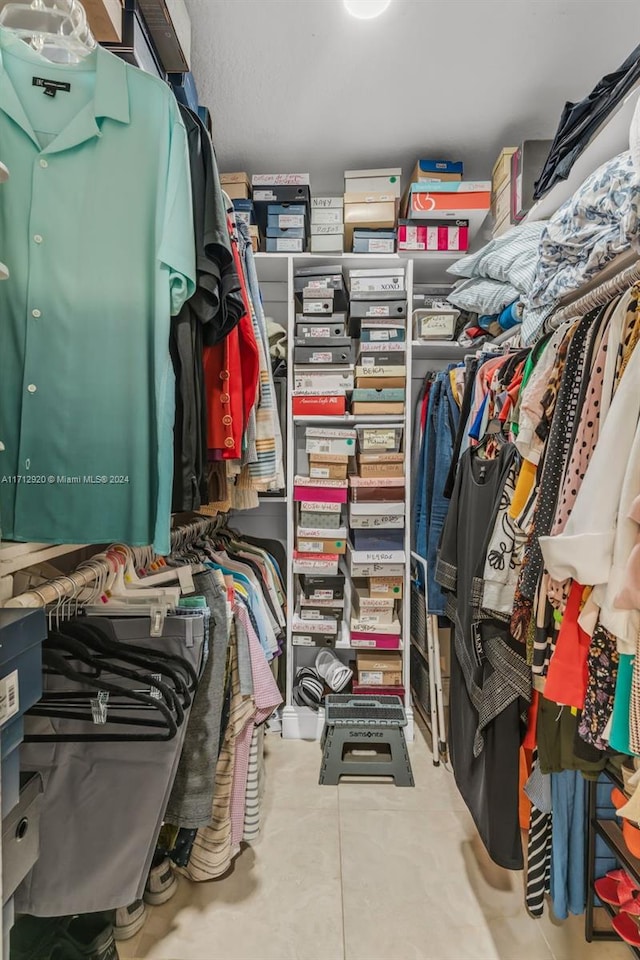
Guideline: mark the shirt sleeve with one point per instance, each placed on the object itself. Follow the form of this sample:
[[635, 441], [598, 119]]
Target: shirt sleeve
[[177, 244], [585, 550]]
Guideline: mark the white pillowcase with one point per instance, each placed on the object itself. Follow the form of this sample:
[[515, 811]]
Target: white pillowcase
[[510, 258], [482, 296]]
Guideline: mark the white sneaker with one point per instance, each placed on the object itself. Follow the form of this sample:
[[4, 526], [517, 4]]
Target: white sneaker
[[162, 883], [129, 921]]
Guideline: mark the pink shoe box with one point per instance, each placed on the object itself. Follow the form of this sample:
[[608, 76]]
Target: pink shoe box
[[448, 236], [375, 641], [320, 494]]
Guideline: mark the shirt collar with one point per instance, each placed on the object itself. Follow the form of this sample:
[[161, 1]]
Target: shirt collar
[[110, 100], [112, 87]]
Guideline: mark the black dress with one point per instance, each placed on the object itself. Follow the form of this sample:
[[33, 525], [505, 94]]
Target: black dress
[[486, 717]]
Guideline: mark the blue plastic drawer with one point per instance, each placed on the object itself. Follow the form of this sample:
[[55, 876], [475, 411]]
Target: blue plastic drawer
[[21, 636]]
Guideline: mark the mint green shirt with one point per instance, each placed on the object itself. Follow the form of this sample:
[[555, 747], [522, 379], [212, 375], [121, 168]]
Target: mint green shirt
[[96, 229]]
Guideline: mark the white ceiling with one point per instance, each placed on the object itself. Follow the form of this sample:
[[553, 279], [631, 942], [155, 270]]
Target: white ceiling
[[299, 85]]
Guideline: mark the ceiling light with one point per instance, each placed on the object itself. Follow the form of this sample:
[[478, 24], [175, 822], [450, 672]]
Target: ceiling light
[[366, 9]]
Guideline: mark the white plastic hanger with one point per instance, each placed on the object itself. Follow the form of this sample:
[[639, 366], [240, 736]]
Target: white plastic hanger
[[118, 592], [56, 29]]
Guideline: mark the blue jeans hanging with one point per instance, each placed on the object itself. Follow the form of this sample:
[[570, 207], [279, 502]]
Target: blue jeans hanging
[[437, 451]]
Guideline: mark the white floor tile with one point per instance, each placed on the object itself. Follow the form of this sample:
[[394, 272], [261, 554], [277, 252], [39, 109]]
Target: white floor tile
[[363, 871]]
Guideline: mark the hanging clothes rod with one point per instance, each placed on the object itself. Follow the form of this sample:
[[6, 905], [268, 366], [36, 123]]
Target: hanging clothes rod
[[622, 275], [100, 567]]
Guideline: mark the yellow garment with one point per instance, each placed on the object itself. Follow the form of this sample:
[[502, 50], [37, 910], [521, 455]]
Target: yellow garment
[[524, 486], [454, 385]]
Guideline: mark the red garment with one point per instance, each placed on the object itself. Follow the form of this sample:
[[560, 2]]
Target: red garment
[[425, 407], [223, 385], [231, 375], [512, 393], [567, 676], [531, 736], [249, 356]]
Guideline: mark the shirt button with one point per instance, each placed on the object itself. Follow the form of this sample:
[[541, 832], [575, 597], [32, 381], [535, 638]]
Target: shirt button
[[229, 442], [44, 164], [36, 313], [224, 398], [32, 388], [37, 238], [227, 420], [224, 375]]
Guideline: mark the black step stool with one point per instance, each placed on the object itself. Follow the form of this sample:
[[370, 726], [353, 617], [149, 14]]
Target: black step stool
[[359, 722]]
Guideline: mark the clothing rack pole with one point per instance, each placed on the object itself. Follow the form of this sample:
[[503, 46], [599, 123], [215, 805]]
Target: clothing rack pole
[[88, 572], [597, 297]]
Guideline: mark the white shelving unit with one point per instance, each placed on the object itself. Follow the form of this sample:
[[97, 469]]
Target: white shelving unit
[[276, 273], [301, 722]]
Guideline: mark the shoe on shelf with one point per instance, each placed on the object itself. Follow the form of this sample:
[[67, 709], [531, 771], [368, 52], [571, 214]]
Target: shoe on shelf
[[615, 891], [129, 920], [87, 937], [333, 671], [162, 883], [628, 928]]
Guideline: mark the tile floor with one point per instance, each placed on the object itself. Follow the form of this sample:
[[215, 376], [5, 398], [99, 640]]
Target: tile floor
[[363, 871]]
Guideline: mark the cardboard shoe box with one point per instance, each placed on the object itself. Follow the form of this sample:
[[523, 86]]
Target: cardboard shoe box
[[501, 208], [444, 170], [285, 245], [316, 328], [327, 471], [319, 380], [435, 235], [379, 439], [370, 470], [318, 515], [318, 563], [379, 309], [337, 353], [323, 278], [501, 173], [375, 408], [306, 544], [326, 203], [327, 217], [390, 395], [467, 200], [327, 243], [386, 586], [321, 609], [395, 357], [326, 406], [279, 188], [236, 185], [386, 494], [330, 441], [381, 538], [374, 241], [380, 377], [382, 180], [374, 211], [318, 587], [370, 283], [285, 221], [526, 165], [105, 19], [379, 669], [374, 521]]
